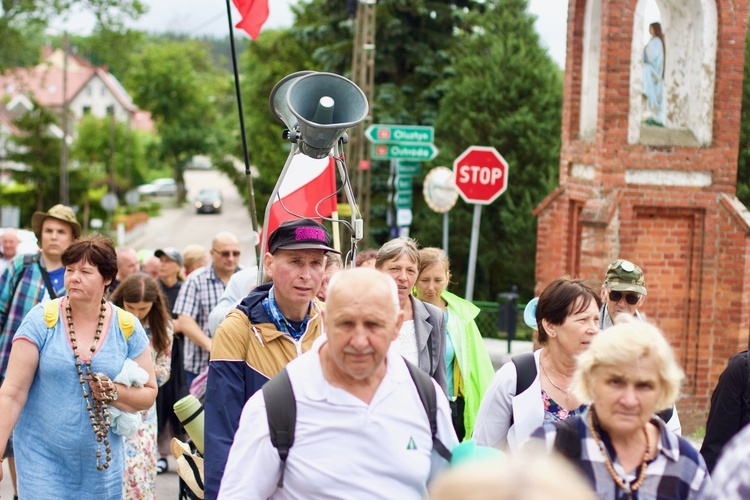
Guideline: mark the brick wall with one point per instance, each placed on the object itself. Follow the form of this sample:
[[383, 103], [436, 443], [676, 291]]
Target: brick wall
[[692, 242]]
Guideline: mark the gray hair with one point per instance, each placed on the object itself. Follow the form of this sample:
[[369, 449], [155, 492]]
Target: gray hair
[[627, 342], [367, 274], [397, 248]]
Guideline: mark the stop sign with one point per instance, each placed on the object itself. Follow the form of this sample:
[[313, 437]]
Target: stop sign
[[481, 175]]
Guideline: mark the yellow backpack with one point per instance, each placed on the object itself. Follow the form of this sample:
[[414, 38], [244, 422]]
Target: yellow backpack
[[124, 318]]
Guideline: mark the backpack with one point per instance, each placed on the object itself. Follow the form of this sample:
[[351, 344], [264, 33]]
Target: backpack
[[281, 412], [125, 319], [526, 373], [28, 259]]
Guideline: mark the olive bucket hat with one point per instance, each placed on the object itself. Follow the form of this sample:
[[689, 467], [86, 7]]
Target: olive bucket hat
[[59, 212]]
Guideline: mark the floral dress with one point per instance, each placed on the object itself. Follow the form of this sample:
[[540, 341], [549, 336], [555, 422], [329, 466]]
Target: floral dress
[[553, 412], [139, 480]]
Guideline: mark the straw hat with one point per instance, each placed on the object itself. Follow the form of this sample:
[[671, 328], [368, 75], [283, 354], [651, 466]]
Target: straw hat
[[189, 467], [59, 212]]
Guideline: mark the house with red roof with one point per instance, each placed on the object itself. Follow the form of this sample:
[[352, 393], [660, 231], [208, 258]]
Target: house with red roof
[[86, 89]]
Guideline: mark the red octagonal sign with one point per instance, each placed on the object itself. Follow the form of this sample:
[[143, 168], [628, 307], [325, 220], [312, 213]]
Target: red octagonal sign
[[481, 175]]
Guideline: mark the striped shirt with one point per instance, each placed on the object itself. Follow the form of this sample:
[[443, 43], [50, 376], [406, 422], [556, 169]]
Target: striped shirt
[[731, 477], [199, 294], [30, 292], [677, 472]]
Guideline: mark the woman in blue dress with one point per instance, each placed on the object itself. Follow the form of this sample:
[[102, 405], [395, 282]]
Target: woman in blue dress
[[653, 76], [59, 385]]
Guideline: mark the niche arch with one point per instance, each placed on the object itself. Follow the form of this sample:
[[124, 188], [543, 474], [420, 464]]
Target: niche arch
[[592, 48], [690, 32]]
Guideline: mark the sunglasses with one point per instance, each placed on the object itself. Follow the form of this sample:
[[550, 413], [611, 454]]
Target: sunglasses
[[630, 298], [226, 254]]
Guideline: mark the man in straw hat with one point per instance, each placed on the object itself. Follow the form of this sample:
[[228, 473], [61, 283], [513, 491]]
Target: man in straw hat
[[34, 278], [270, 327], [362, 428]]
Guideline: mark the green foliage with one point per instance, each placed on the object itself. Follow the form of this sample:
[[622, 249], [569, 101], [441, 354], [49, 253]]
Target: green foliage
[[275, 55], [93, 150], [743, 161], [502, 91], [177, 83], [40, 150]]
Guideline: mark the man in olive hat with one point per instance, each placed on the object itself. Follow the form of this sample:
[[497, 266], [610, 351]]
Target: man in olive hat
[[623, 291], [34, 278]]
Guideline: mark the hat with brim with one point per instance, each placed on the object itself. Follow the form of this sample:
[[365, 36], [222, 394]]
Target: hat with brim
[[300, 234], [59, 212], [170, 253], [189, 467], [624, 276]]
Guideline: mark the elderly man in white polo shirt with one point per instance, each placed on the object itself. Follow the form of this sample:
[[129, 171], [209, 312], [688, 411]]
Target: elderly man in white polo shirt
[[362, 430]]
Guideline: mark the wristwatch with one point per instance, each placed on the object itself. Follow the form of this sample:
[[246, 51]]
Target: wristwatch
[[116, 394]]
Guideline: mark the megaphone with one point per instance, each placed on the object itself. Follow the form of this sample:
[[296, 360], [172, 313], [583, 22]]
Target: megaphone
[[317, 108]]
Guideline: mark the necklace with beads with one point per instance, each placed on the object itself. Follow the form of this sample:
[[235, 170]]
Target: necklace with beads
[[566, 391], [608, 463], [98, 410]]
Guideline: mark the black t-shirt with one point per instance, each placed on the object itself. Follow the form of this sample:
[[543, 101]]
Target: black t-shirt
[[170, 293]]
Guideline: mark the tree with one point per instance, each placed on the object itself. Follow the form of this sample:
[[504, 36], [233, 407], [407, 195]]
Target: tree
[[38, 148], [502, 89], [92, 150], [743, 161], [177, 83], [21, 23]]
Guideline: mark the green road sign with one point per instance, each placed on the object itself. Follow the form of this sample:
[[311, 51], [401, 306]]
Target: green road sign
[[414, 152], [408, 168], [400, 133], [402, 199], [403, 183]]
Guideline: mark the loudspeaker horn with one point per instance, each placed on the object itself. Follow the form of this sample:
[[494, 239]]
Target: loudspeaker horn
[[279, 107], [318, 109]]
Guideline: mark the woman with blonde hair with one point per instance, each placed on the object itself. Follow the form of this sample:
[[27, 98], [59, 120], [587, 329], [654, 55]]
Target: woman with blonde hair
[[468, 367], [624, 449]]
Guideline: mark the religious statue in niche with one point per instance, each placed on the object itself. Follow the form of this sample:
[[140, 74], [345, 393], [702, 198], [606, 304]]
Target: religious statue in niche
[[653, 77]]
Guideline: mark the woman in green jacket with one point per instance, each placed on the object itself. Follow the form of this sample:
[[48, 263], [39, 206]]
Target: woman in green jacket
[[468, 366]]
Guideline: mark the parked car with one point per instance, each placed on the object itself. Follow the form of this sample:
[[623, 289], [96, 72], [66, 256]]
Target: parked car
[[159, 187], [208, 201]]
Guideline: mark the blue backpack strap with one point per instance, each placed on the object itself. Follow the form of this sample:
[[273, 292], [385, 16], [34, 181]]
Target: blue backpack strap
[[281, 413]]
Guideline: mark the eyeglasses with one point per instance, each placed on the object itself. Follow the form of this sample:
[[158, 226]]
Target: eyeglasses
[[630, 298], [226, 254]]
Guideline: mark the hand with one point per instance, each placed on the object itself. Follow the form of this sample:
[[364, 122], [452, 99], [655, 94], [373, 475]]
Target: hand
[[102, 388]]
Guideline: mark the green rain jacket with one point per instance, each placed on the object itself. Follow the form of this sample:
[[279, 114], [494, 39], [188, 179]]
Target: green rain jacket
[[473, 360]]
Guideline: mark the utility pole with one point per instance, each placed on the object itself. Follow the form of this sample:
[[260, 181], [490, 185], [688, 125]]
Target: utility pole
[[64, 190], [363, 74]]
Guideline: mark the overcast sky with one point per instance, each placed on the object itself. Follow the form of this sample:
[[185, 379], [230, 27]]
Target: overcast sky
[[208, 17]]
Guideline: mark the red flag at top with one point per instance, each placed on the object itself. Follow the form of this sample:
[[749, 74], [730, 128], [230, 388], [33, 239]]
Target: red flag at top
[[254, 13]]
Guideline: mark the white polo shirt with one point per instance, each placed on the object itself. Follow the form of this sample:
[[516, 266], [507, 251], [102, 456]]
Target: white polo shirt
[[343, 448]]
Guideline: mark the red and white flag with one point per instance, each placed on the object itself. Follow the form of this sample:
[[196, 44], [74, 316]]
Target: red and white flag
[[254, 13], [306, 183]]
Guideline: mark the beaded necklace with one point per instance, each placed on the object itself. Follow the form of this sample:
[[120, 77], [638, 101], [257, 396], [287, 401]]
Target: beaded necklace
[[618, 480], [98, 412]]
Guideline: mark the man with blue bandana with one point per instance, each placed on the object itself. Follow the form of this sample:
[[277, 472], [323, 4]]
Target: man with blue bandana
[[274, 324]]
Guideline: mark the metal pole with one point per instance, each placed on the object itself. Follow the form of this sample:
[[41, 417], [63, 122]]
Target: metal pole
[[473, 251], [445, 233], [64, 190], [246, 155]]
